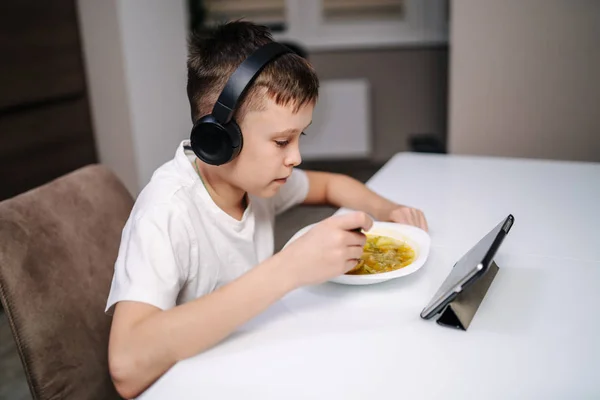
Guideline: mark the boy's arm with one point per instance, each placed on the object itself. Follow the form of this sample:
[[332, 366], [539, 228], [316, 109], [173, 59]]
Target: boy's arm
[[343, 191], [146, 341]]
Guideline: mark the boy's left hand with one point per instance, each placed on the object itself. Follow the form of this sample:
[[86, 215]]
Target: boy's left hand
[[407, 215]]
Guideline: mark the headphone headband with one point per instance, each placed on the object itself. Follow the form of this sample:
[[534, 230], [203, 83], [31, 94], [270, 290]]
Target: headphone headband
[[242, 77]]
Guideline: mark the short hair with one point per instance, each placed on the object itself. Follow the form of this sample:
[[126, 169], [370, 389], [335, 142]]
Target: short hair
[[212, 58]]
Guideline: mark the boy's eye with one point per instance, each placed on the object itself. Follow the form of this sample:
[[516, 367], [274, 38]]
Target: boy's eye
[[283, 143]]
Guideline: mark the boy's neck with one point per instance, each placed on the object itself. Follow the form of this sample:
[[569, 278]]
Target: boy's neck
[[228, 198]]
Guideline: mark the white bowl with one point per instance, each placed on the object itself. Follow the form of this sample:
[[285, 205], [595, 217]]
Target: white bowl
[[416, 238]]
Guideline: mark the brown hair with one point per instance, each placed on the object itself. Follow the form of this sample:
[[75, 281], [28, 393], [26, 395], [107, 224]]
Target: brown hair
[[288, 80]]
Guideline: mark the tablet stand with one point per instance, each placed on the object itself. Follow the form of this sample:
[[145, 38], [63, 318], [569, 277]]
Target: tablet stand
[[460, 312]]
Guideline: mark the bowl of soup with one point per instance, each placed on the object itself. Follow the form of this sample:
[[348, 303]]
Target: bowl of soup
[[392, 250]]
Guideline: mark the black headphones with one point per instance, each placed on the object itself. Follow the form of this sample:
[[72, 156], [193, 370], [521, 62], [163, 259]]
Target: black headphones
[[216, 138]]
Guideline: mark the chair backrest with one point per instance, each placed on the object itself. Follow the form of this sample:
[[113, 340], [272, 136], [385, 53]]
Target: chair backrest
[[58, 245]]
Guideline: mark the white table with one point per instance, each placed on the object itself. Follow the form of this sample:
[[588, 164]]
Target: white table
[[536, 334]]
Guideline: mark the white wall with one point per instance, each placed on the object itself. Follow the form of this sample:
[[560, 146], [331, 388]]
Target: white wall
[[407, 92], [135, 53], [341, 123], [107, 88], [525, 78]]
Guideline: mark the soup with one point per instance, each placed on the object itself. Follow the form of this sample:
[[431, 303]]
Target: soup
[[383, 254]]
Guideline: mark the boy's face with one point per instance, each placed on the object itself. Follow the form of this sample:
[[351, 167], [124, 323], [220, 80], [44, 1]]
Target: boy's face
[[271, 148]]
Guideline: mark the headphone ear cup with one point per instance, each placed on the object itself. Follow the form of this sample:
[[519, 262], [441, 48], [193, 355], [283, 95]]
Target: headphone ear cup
[[237, 139], [211, 141]]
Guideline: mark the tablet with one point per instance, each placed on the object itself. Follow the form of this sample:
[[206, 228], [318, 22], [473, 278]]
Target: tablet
[[472, 266]]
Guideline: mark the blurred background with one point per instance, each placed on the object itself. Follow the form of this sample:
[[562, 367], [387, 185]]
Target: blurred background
[[86, 81]]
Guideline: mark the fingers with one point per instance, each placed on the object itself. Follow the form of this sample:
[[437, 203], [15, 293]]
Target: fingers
[[419, 219], [349, 265], [353, 220], [353, 255], [423, 222], [411, 216], [355, 252], [354, 238]]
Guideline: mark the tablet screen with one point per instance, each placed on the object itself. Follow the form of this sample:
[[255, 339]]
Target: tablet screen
[[470, 260]]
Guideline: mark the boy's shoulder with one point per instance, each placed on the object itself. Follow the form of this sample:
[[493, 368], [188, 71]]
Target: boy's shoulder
[[169, 187]]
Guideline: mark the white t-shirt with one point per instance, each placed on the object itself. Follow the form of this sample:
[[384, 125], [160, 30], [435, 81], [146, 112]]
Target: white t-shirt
[[178, 245]]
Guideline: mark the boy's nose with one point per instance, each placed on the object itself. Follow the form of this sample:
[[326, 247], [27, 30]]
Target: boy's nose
[[293, 157]]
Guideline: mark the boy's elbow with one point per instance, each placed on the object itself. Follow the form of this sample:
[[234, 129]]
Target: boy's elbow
[[123, 375]]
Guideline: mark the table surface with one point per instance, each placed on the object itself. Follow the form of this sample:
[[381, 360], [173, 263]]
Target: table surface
[[535, 335]]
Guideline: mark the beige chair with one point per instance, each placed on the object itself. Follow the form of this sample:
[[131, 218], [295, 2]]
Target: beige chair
[[58, 244]]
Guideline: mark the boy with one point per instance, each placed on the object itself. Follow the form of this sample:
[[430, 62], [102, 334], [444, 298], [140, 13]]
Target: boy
[[196, 257]]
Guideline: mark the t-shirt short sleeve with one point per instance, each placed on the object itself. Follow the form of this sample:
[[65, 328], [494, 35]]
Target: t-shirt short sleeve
[[293, 192], [154, 260]]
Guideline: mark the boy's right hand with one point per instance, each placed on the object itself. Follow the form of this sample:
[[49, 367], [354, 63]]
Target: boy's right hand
[[331, 248]]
